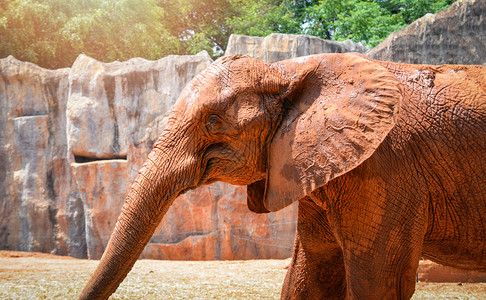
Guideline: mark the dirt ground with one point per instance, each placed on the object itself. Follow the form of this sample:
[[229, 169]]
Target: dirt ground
[[42, 276]]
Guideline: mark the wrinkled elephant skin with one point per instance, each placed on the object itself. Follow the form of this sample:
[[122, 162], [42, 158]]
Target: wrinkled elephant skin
[[387, 162]]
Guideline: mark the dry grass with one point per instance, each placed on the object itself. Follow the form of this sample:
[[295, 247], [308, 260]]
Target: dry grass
[[40, 276]]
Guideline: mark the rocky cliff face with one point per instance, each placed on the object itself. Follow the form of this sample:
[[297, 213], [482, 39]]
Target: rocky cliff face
[[114, 112], [453, 36], [275, 46], [33, 157], [73, 140]]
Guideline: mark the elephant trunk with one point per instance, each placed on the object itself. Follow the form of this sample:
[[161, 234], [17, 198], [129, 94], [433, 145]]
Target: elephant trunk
[[148, 200]]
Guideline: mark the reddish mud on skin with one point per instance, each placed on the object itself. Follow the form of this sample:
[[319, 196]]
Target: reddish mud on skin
[[386, 159]]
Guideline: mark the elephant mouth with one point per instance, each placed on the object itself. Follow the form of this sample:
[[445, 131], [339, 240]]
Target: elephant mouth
[[219, 161], [208, 174]]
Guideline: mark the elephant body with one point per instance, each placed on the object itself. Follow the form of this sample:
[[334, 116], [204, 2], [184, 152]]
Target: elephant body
[[421, 194], [387, 161]]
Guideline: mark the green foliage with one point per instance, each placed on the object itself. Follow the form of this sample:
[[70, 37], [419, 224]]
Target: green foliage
[[369, 22], [260, 18], [52, 33], [22, 25], [198, 24], [410, 10], [118, 30]]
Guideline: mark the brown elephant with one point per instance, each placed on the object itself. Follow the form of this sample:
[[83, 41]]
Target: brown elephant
[[387, 160]]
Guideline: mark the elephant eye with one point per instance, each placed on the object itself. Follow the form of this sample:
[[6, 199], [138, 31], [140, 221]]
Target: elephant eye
[[214, 123]]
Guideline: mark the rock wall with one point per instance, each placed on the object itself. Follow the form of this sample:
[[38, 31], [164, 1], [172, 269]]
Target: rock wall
[[73, 140], [34, 169], [432, 272], [456, 35], [276, 46]]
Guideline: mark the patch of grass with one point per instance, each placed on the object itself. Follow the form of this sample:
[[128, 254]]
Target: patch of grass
[[426, 290], [44, 277]]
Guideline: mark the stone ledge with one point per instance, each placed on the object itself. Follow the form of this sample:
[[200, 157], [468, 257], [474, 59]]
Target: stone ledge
[[429, 271]]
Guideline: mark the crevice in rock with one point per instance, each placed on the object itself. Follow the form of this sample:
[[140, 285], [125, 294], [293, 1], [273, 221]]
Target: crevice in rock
[[31, 115], [183, 236], [80, 159]]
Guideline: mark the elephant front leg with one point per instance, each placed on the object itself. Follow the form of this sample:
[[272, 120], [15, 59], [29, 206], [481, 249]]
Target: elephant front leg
[[381, 252], [381, 278], [317, 267]]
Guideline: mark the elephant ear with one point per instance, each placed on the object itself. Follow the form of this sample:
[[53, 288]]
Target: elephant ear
[[343, 109]]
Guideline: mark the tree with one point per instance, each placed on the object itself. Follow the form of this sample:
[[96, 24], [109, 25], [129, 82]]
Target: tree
[[260, 18], [369, 22], [410, 10], [118, 30], [52, 33], [28, 31], [198, 24]]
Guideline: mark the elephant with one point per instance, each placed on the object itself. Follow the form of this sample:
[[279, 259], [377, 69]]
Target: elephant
[[386, 160]]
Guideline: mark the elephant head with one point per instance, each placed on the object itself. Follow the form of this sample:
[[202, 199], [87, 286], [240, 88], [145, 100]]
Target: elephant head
[[282, 129]]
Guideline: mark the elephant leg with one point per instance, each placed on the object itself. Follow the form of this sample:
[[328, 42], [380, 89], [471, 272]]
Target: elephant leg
[[317, 268], [381, 250], [381, 278]]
